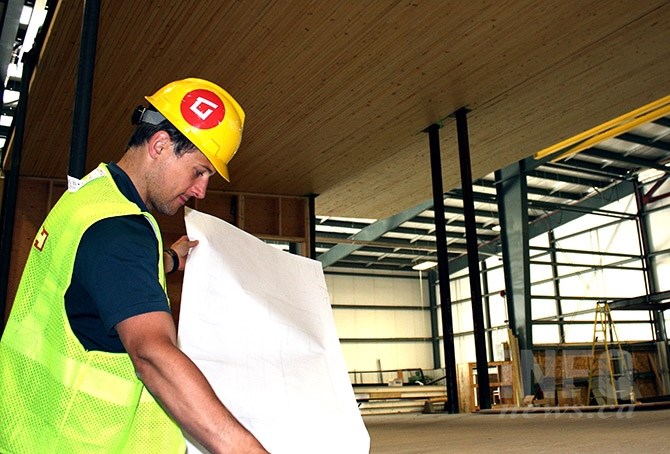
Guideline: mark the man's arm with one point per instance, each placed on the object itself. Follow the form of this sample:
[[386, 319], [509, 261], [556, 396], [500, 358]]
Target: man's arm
[[177, 383]]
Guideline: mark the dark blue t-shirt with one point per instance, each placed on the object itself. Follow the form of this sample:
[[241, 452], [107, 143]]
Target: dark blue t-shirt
[[115, 274]]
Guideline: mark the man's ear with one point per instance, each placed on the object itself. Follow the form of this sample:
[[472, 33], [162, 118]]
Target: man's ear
[[157, 143]]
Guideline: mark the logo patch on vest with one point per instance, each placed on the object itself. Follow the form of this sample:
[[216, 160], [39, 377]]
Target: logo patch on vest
[[40, 239]]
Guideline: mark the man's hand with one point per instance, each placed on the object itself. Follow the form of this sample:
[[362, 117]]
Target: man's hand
[[182, 247], [177, 383]]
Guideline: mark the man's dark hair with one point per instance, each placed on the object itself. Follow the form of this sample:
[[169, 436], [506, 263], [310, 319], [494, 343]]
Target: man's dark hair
[[145, 130]]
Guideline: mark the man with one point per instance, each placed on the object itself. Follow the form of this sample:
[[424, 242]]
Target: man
[[89, 360]]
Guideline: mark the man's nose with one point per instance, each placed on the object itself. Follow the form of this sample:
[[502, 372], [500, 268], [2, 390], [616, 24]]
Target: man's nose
[[199, 189]]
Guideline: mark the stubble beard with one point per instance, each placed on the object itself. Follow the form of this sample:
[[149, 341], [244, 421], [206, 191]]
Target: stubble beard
[[167, 207]]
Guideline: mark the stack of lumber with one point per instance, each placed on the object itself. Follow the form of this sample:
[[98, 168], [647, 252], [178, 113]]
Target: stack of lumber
[[379, 400]]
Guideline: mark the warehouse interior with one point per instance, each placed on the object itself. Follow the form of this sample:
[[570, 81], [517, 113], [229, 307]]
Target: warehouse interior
[[516, 151]]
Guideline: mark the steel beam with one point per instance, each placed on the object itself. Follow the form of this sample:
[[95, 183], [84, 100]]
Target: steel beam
[[82, 106], [451, 406], [652, 284], [591, 168], [473, 259], [556, 218], [513, 212], [371, 233], [646, 141], [582, 181], [613, 156]]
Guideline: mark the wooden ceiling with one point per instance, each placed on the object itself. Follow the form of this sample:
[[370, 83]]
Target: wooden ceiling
[[337, 93]]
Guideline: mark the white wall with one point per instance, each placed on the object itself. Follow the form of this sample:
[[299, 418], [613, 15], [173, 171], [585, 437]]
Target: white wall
[[659, 220], [399, 311], [660, 236]]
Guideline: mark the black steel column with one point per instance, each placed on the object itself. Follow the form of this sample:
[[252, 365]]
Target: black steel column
[[10, 191], [443, 269], [473, 259], [82, 104], [512, 193]]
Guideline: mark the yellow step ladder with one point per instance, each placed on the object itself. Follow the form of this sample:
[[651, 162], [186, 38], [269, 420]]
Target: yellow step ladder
[[610, 371]]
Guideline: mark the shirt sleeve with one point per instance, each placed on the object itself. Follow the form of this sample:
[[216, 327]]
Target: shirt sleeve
[[117, 265]]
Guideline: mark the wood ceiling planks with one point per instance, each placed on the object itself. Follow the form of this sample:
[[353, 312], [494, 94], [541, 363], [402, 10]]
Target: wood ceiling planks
[[337, 93]]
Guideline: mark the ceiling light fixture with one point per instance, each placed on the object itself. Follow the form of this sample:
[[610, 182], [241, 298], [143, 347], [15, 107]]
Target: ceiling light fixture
[[26, 12], [424, 266]]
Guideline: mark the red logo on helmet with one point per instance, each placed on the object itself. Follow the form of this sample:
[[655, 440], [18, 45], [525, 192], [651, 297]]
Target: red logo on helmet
[[202, 109]]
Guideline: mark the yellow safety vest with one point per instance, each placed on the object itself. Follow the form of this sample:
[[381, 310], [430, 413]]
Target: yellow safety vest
[[56, 397]]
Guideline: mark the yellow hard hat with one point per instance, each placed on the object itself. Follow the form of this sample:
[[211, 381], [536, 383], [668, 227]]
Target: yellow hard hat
[[206, 114]]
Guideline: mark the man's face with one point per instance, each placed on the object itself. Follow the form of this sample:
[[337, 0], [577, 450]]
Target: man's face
[[176, 179]]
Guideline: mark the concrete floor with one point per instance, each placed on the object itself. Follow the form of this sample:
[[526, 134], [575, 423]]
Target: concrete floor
[[557, 430]]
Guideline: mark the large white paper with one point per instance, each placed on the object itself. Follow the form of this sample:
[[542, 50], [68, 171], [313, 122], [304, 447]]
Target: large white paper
[[257, 321]]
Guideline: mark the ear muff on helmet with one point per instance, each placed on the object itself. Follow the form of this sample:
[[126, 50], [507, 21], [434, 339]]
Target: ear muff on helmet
[[142, 114], [206, 114]]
